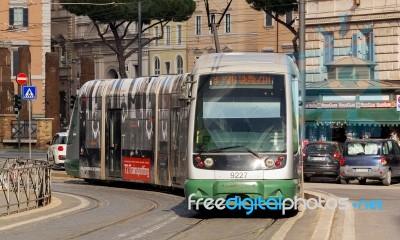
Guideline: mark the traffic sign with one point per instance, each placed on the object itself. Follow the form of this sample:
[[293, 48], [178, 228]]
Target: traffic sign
[[28, 92], [22, 78]]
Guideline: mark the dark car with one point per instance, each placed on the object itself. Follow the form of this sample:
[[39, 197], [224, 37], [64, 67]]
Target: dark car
[[370, 159], [322, 159]]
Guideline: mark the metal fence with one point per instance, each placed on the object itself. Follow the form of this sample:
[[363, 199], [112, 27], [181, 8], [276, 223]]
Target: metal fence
[[22, 129], [25, 184]]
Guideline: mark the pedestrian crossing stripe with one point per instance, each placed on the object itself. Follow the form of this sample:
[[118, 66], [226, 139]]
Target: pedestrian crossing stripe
[[28, 92]]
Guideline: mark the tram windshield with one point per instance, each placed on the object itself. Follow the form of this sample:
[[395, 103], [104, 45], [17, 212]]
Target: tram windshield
[[247, 110]]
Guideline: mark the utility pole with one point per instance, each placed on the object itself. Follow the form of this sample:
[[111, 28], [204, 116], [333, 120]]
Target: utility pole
[[139, 52], [302, 68], [302, 64], [214, 26]]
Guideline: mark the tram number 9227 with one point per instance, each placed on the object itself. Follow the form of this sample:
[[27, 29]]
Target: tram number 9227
[[236, 175]]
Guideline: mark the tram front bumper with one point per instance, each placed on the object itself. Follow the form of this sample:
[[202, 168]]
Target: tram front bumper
[[215, 189]]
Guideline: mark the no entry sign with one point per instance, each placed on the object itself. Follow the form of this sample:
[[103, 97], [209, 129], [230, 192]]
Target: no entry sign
[[22, 78]]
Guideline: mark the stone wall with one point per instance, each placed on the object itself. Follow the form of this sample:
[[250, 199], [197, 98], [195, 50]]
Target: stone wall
[[44, 132], [5, 126]]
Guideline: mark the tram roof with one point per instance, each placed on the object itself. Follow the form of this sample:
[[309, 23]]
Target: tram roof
[[245, 62]]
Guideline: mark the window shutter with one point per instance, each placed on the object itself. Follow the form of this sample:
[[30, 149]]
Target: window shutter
[[11, 16], [15, 63], [354, 45], [25, 17]]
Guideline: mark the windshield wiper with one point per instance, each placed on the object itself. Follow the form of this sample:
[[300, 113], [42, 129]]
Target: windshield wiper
[[236, 146]]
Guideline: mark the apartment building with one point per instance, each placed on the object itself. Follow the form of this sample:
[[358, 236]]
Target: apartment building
[[352, 68], [168, 55], [24, 41]]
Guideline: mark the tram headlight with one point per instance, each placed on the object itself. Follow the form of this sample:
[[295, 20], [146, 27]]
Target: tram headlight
[[269, 162], [209, 162]]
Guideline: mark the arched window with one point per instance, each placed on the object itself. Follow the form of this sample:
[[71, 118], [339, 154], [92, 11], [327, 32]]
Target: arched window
[[179, 65], [156, 66]]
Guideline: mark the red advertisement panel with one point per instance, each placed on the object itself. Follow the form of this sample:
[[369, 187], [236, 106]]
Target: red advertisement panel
[[136, 169]]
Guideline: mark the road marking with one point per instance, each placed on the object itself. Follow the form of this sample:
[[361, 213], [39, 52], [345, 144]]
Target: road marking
[[323, 227], [349, 232], [84, 203], [286, 226]]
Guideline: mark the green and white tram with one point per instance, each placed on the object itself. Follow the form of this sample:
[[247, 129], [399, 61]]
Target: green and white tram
[[230, 128], [244, 127]]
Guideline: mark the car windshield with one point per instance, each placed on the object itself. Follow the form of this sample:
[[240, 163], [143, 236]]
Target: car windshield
[[320, 147], [362, 148]]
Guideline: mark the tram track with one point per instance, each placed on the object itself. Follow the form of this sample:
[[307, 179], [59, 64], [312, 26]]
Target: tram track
[[102, 225]]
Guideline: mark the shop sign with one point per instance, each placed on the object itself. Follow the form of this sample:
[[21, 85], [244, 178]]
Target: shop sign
[[384, 104], [347, 105], [311, 105], [368, 105], [329, 105]]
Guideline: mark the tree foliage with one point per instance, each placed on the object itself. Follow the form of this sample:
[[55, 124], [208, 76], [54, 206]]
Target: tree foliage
[[113, 18], [277, 8]]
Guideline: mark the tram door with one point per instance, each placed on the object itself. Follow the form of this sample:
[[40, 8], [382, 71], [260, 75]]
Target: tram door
[[113, 143]]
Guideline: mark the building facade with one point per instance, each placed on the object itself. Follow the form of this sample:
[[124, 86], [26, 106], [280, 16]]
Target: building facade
[[25, 35], [168, 55], [352, 69]]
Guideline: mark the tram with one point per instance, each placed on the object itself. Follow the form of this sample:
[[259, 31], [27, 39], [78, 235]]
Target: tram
[[229, 128]]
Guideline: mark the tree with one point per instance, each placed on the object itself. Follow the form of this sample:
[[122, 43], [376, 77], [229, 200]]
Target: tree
[[113, 18], [276, 8]]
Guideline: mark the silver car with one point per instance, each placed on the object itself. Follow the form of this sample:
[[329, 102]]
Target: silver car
[[57, 150]]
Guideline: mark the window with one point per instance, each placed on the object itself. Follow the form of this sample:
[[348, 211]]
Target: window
[[168, 35], [289, 17], [15, 62], [362, 45], [369, 43], [156, 66], [167, 66], [156, 34], [268, 20], [19, 16], [198, 25], [179, 40], [179, 65], [228, 23], [328, 48], [212, 20]]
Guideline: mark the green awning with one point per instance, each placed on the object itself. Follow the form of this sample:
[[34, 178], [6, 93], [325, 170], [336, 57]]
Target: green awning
[[367, 116]]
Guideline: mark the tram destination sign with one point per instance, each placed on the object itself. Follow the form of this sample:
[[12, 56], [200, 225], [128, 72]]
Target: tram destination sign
[[243, 80]]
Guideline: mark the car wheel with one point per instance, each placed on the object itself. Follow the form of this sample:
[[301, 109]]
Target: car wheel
[[362, 181], [388, 179], [307, 179], [338, 180], [344, 181]]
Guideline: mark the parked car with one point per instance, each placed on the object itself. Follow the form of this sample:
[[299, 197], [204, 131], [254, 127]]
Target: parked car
[[322, 159], [370, 159], [57, 150]]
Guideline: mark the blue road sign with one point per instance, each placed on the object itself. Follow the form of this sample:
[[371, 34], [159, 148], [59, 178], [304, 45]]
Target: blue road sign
[[28, 92]]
